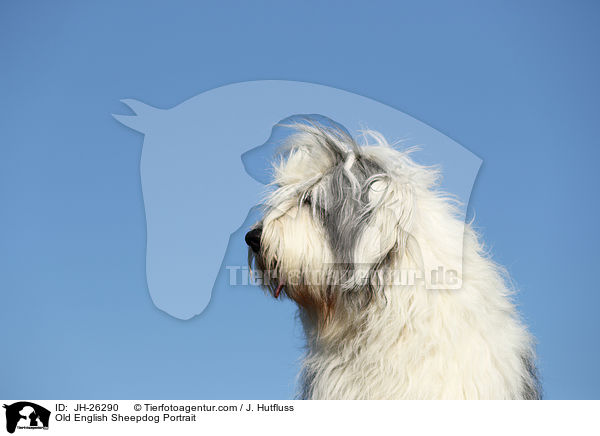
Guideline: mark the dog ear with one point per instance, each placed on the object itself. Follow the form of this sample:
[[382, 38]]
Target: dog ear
[[387, 236], [393, 206]]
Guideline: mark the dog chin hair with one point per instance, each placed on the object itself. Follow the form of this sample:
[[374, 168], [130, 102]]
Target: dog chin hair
[[339, 220]]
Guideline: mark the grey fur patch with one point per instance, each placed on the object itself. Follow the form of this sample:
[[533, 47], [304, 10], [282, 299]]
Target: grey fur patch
[[340, 201], [532, 387]]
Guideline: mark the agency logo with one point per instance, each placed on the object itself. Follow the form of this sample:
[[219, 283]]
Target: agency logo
[[26, 415], [175, 170]]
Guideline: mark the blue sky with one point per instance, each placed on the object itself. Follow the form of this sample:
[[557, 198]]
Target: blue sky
[[514, 82]]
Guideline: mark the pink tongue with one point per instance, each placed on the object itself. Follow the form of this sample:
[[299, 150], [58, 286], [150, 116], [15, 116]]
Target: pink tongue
[[278, 290]]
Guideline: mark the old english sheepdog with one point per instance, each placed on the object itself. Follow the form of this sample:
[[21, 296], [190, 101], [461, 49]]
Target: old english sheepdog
[[340, 222]]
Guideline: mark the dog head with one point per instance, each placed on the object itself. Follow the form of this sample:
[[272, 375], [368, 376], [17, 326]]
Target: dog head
[[339, 215]]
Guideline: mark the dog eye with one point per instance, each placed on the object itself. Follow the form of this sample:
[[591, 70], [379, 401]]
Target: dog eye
[[307, 200]]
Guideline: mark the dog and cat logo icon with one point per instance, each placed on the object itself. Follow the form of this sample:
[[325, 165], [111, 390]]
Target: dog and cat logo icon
[[26, 415]]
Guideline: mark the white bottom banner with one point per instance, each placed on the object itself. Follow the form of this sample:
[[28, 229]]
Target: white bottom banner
[[299, 417]]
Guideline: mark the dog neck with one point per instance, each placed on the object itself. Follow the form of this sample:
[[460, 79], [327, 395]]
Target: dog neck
[[410, 342]]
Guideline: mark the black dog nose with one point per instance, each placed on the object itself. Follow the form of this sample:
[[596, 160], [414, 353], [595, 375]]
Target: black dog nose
[[253, 239]]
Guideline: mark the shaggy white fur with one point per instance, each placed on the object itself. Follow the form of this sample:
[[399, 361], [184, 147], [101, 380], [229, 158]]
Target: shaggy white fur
[[342, 220]]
